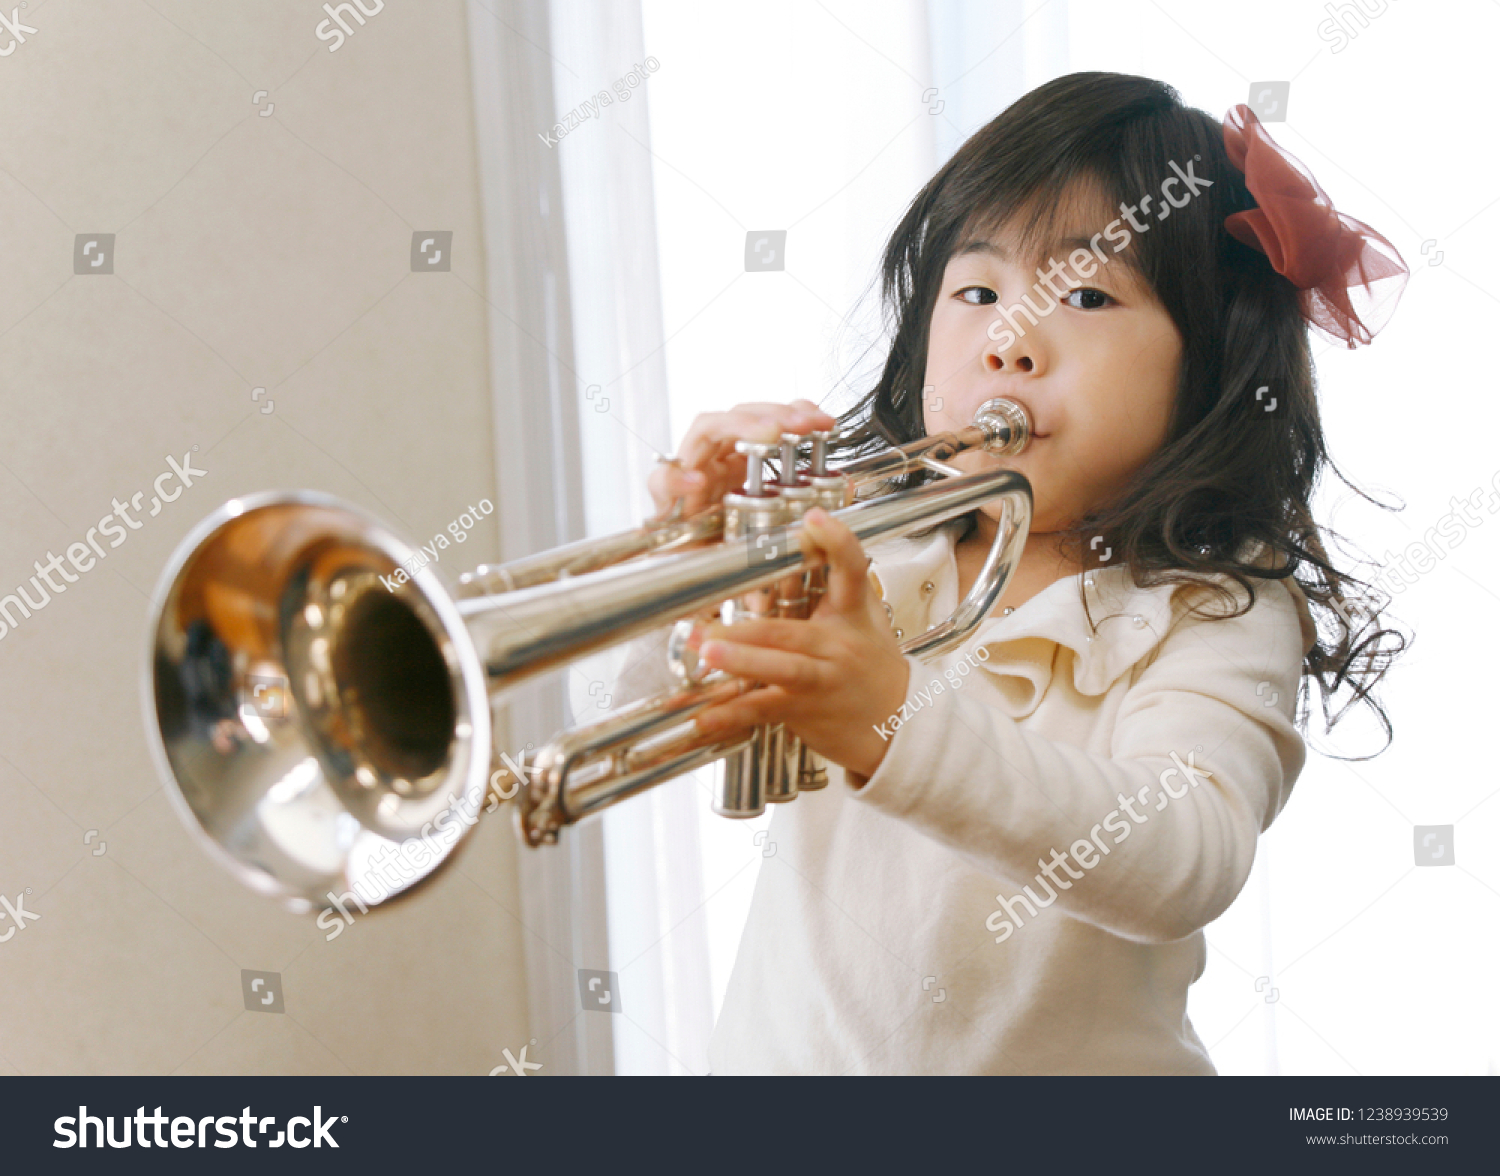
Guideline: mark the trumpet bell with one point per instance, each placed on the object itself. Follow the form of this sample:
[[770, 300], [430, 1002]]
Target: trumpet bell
[[314, 700]]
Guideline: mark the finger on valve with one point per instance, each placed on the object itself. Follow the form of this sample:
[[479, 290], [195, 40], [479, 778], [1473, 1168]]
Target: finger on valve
[[831, 542]]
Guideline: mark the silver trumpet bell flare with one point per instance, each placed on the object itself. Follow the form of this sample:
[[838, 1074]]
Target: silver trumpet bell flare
[[308, 710]]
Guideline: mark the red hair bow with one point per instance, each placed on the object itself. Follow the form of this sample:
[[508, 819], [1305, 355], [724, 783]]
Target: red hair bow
[[1336, 261]]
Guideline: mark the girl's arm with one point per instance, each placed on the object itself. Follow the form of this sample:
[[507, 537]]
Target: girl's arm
[[1155, 839], [1150, 841]]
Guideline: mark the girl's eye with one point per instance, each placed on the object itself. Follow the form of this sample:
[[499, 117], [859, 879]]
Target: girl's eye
[[977, 295], [1087, 298]]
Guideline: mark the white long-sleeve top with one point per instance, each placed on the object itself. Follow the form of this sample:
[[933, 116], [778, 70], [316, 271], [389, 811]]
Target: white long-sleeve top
[[923, 924]]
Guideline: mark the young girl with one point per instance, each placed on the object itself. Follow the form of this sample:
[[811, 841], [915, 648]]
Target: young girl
[[1011, 874]]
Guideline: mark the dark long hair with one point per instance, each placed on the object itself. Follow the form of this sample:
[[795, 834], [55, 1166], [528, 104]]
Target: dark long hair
[[1233, 483]]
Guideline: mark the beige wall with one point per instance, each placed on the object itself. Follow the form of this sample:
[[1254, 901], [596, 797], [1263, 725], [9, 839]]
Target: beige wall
[[252, 251]]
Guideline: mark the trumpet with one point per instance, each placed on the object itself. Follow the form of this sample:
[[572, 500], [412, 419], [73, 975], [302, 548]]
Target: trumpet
[[310, 710]]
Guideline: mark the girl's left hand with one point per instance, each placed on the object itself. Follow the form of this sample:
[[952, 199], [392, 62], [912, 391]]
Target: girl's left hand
[[832, 679]]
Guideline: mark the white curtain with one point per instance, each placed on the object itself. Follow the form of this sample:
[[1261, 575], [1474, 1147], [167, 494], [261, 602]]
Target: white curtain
[[657, 942]]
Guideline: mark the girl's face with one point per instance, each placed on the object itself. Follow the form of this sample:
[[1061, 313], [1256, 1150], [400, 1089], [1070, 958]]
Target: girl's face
[[1097, 374]]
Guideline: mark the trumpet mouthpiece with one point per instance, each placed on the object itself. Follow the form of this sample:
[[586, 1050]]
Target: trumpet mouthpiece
[[1007, 425]]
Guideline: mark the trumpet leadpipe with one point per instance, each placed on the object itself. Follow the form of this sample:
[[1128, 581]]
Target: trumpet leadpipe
[[1001, 427], [525, 633]]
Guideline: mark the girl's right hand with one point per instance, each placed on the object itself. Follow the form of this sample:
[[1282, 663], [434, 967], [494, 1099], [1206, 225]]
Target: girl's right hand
[[710, 468]]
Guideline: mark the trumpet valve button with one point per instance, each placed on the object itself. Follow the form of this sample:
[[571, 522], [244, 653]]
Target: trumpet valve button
[[755, 471], [791, 443]]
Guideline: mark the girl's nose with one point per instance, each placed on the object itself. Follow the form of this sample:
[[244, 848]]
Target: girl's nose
[[1017, 356], [1017, 362]]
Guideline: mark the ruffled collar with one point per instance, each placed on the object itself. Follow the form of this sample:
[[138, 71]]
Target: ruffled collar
[[918, 578]]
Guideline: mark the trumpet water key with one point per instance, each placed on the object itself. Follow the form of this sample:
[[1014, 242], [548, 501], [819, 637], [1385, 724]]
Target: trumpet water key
[[307, 721]]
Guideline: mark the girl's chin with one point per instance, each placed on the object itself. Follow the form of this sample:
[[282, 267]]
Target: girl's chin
[[1043, 522]]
